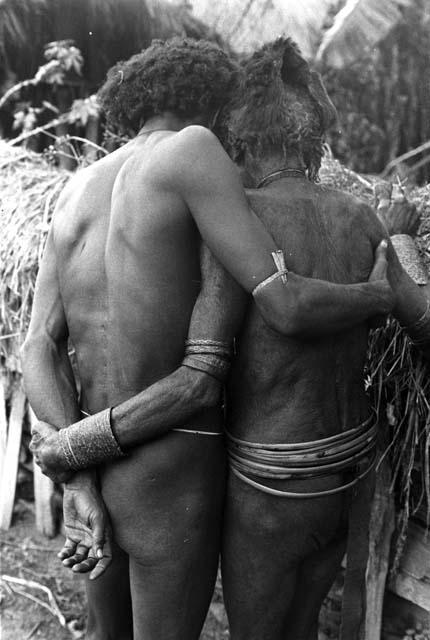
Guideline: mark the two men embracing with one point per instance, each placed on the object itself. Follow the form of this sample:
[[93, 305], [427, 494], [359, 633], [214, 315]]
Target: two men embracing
[[220, 338]]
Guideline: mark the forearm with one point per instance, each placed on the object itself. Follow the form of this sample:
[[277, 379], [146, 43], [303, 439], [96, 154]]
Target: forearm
[[49, 382], [51, 390], [310, 308], [170, 401]]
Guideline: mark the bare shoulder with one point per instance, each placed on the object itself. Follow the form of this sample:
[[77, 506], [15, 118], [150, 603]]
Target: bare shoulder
[[195, 146], [357, 212]]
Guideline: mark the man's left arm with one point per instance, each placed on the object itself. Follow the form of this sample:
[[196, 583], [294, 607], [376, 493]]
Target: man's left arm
[[50, 386]]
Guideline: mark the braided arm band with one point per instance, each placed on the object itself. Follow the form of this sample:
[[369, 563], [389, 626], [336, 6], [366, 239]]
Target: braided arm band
[[210, 356], [409, 257], [90, 442], [282, 272]]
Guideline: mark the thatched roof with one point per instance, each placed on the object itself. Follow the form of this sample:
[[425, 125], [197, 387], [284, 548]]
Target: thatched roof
[[358, 24], [29, 187], [246, 24]]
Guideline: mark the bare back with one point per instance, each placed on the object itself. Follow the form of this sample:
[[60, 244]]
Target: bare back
[[128, 267], [285, 389]]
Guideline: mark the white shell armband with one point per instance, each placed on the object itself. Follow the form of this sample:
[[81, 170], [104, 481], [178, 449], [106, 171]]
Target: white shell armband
[[282, 272]]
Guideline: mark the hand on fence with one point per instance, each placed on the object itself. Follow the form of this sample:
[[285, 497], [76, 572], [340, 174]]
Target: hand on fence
[[48, 454]]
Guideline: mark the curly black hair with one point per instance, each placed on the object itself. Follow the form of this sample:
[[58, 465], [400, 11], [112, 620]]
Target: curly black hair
[[185, 76], [280, 103]]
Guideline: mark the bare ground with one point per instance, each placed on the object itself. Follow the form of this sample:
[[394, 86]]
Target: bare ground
[[28, 555]]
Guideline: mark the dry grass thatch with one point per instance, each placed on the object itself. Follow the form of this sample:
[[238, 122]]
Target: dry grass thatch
[[29, 187], [397, 378]]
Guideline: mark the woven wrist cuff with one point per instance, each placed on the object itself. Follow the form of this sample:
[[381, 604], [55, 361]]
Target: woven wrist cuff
[[90, 442], [409, 257]]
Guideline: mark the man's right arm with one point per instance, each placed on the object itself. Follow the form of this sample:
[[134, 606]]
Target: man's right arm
[[411, 305], [209, 184]]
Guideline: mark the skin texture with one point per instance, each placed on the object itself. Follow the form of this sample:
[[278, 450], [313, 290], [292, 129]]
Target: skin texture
[[280, 556]]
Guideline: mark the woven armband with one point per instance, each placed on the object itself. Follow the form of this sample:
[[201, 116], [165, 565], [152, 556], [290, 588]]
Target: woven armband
[[409, 257], [90, 442], [282, 272], [210, 356]]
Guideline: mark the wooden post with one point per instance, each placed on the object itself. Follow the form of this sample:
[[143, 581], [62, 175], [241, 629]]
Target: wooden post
[[381, 531], [11, 457], [3, 420], [43, 497], [92, 134]]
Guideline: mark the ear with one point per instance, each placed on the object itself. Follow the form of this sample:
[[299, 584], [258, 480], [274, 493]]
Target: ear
[[326, 107], [295, 69]]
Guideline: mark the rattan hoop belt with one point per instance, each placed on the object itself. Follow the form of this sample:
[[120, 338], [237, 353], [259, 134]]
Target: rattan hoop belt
[[353, 450]]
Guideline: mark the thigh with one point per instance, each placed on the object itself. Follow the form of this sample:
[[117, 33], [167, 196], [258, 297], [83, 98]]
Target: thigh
[[314, 579], [109, 601], [266, 539], [166, 505]]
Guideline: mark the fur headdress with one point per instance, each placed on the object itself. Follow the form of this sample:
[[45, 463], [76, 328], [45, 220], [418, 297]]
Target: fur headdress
[[281, 103]]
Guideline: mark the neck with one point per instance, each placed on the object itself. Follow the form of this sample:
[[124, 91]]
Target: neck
[[169, 122], [263, 166]]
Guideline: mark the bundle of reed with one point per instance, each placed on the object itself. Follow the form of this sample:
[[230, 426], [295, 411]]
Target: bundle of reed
[[29, 187], [397, 376]]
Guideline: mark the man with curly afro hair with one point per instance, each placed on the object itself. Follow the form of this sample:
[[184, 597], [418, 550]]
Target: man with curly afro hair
[[121, 278]]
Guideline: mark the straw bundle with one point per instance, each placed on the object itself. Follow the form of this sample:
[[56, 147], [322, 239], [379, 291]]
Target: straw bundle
[[397, 377], [29, 187]]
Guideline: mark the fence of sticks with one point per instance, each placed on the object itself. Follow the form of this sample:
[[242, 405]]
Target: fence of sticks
[[397, 378]]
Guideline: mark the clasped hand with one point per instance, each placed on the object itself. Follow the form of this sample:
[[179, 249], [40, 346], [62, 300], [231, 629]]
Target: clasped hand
[[47, 452], [88, 537]]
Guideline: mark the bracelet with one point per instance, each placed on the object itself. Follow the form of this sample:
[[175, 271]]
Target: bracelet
[[409, 257], [90, 442], [208, 346], [282, 272]]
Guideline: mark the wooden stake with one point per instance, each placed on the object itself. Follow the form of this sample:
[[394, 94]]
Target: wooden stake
[[43, 496], [11, 458], [3, 420], [381, 530]]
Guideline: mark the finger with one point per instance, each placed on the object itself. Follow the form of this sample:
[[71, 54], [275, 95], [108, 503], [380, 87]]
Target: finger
[[398, 194], [381, 253], [85, 566], [81, 554], [68, 549], [98, 535], [100, 567], [43, 429], [382, 193]]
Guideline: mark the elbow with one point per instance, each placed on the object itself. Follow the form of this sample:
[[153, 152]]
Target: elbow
[[287, 325], [286, 321], [204, 390], [282, 306], [26, 351], [32, 349]]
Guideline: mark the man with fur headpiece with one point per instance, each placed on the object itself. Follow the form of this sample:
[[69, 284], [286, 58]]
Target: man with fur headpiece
[[300, 432], [120, 276]]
